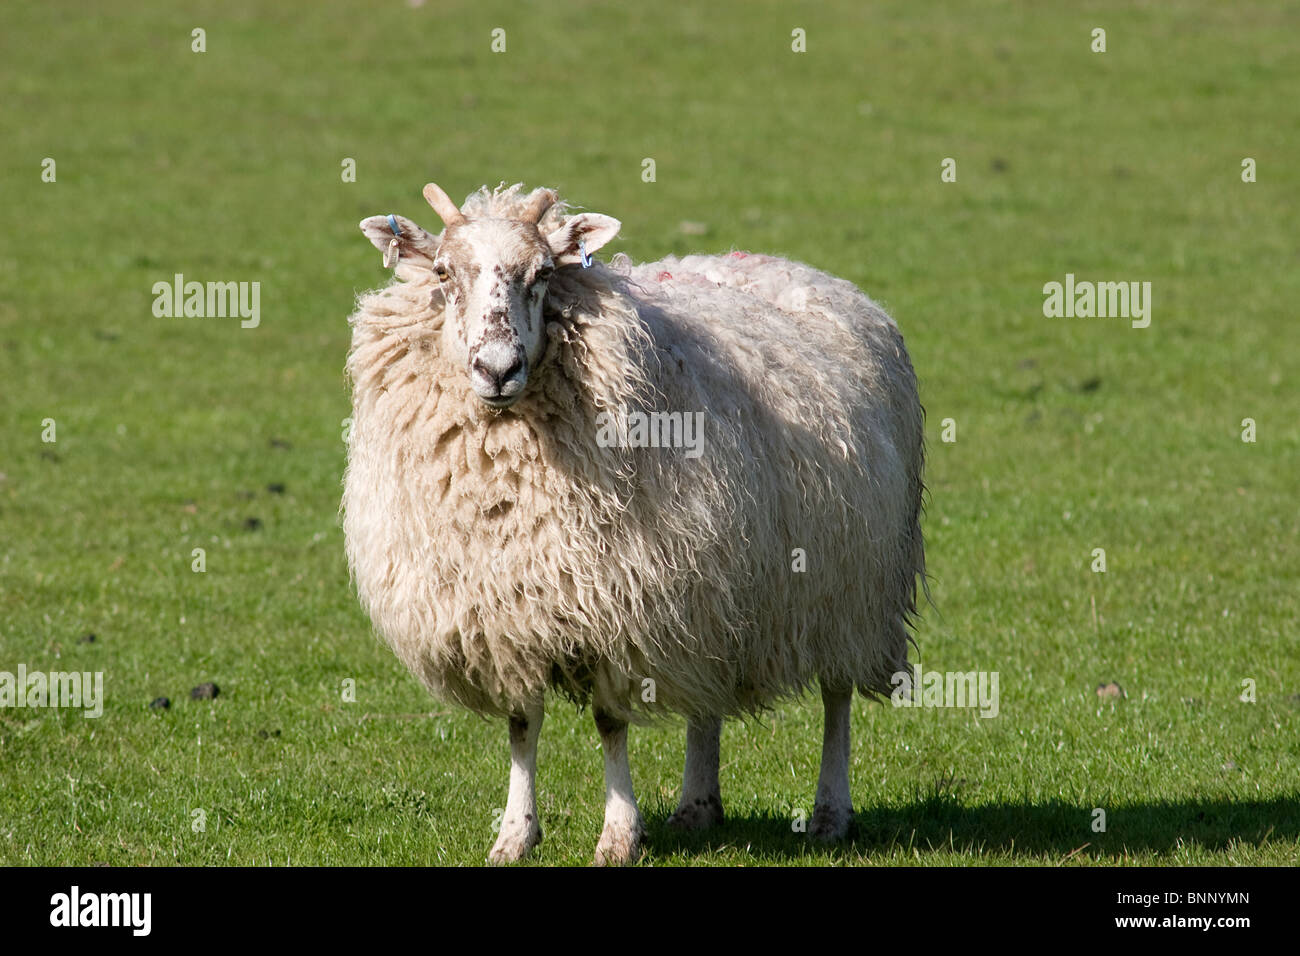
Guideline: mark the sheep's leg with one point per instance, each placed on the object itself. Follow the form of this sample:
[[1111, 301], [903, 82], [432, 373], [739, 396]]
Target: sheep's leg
[[620, 840], [833, 810], [701, 803], [520, 828]]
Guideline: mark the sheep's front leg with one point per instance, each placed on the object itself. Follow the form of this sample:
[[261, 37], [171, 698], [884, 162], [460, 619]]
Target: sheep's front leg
[[620, 840], [833, 810], [520, 828], [701, 803]]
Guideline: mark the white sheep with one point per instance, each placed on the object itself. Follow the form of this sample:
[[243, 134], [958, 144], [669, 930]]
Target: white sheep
[[511, 527]]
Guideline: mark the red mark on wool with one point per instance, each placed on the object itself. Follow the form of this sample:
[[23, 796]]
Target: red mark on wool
[[739, 255], [664, 276]]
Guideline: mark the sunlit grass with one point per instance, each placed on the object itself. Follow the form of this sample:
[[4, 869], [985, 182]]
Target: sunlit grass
[[1072, 435]]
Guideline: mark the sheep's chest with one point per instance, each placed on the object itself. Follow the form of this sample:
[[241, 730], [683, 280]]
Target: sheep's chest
[[466, 517]]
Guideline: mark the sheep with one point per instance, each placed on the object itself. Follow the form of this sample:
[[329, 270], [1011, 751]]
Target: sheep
[[511, 531]]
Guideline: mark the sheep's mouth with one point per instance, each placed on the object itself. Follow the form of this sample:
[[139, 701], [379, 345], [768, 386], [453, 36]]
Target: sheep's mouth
[[500, 403]]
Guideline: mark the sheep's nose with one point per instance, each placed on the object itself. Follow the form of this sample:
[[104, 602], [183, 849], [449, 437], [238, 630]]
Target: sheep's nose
[[496, 375], [499, 376]]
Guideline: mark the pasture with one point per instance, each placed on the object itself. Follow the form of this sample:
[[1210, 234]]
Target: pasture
[[175, 433]]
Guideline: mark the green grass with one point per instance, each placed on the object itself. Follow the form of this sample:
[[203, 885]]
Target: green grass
[[1071, 434]]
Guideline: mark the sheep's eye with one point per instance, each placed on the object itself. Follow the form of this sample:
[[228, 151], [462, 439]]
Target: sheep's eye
[[442, 273], [542, 276]]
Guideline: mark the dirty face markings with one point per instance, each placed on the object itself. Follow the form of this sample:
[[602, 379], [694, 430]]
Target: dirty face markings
[[494, 273]]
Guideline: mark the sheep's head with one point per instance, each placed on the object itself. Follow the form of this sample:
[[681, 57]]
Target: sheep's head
[[494, 274]]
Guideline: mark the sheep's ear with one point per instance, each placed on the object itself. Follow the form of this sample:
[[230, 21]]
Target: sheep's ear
[[589, 230], [413, 243]]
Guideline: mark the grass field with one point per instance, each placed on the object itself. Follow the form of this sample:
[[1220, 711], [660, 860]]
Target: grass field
[[1071, 434]]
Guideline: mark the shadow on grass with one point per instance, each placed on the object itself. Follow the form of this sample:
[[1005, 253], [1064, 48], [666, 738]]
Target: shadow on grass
[[1034, 829]]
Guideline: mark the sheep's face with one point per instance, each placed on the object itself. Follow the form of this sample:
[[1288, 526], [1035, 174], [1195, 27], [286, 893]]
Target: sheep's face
[[493, 274]]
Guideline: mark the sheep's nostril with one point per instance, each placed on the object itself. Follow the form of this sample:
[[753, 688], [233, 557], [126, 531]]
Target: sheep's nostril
[[512, 372]]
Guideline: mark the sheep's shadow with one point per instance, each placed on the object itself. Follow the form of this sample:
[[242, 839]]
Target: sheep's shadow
[[1049, 828]]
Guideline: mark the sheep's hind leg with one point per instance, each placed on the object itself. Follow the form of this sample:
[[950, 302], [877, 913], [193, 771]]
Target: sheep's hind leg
[[520, 828], [701, 803], [620, 840], [833, 811]]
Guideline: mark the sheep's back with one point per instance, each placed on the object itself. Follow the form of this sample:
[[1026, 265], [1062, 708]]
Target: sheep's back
[[813, 430]]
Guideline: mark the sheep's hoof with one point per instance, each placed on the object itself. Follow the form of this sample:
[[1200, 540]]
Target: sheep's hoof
[[697, 814], [513, 845], [618, 847], [830, 823]]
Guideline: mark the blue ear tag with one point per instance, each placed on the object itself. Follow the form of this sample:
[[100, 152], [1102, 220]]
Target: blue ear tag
[[582, 251], [391, 255]]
